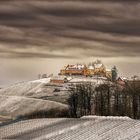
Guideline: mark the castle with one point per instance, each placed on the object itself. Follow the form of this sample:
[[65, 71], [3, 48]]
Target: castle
[[96, 68]]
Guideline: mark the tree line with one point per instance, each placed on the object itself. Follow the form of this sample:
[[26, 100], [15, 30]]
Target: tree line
[[107, 99]]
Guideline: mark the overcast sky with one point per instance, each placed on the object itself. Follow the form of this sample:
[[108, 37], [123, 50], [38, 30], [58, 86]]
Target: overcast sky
[[40, 36]]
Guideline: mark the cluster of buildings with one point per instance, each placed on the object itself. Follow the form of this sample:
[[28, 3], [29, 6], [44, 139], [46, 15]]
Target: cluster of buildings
[[93, 72], [96, 69]]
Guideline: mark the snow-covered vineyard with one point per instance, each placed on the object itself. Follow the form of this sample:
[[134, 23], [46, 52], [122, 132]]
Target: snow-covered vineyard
[[86, 128]]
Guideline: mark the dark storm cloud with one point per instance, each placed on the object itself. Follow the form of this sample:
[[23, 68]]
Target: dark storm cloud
[[105, 28]]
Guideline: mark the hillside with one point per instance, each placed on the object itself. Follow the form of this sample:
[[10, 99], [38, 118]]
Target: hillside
[[86, 128], [42, 87], [27, 97], [15, 106], [25, 88], [37, 95]]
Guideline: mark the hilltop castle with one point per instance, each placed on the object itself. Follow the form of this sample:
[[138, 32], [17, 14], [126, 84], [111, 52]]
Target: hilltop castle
[[96, 68]]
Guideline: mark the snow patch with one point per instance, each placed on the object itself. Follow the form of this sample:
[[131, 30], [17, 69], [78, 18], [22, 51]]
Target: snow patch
[[106, 117], [44, 80]]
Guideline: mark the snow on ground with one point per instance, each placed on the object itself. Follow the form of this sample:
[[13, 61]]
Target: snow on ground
[[86, 128], [87, 79], [42, 87], [27, 125], [25, 88], [18, 105], [106, 117], [21, 89], [36, 88], [18, 99], [44, 80]]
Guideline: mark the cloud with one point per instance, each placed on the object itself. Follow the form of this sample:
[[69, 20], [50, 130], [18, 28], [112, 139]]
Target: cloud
[[43, 29]]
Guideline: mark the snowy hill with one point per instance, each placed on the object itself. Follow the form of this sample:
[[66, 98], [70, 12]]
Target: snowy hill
[[37, 95], [17, 105], [42, 87], [18, 99], [25, 88]]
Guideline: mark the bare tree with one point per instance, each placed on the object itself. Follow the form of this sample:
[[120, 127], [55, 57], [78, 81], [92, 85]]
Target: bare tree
[[79, 101], [103, 99], [106, 99], [133, 91]]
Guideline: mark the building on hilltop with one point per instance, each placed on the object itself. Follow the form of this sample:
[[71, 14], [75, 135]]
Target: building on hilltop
[[59, 79], [96, 68], [73, 70], [114, 73]]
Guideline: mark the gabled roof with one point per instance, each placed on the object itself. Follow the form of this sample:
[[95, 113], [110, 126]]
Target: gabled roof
[[78, 66]]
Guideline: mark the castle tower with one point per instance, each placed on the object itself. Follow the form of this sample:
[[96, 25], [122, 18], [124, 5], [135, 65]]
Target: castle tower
[[114, 73]]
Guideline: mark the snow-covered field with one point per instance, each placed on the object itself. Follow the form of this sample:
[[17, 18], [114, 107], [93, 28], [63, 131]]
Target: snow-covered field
[[86, 128], [26, 98], [27, 125], [18, 105], [29, 88]]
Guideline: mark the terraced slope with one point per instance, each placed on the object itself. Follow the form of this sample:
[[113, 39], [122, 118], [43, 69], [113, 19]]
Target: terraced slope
[[87, 128]]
